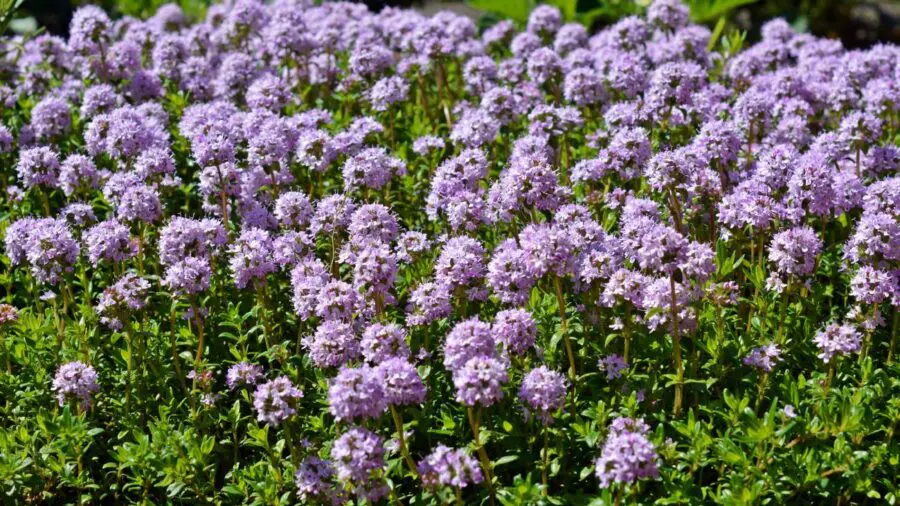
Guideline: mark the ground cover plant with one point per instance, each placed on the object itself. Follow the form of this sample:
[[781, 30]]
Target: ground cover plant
[[304, 253]]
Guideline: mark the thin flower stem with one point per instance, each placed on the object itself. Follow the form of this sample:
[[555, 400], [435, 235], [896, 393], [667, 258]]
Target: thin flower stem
[[482, 453], [198, 321], [3, 345], [867, 339], [564, 326], [830, 378], [129, 341], [782, 312], [894, 325], [262, 301], [676, 351], [289, 440], [626, 352], [761, 389], [175, 362], [398, 423], [545, 461]]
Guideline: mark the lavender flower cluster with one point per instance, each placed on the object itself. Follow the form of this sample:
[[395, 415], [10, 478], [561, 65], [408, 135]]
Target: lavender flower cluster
[[445, 218]]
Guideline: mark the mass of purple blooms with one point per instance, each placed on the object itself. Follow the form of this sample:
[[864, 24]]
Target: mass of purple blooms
[[409, 259]]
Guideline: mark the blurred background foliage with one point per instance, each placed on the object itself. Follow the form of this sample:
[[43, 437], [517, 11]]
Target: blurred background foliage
[[858, 23]]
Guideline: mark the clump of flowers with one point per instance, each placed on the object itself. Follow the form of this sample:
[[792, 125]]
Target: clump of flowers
[[122, 299], [837, 340], [627, 454], [543, 391], [764, 357], [75, 381], [275, 401], [450, 468]]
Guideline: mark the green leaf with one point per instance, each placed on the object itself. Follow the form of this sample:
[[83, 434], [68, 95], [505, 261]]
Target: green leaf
[[704, 11], [516, 10], [506, 459]]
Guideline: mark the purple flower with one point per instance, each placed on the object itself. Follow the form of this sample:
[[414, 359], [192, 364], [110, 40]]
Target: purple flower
[[356, 393], [461, 262], [571, 36], [474, 129], [515, 329], [388, 91], [89, 30], [373, 168], [543, 65], [333, 344], [79, 214], [544, 20], [498, 33], [293, 210], [251, 257], [547, 249], [307, 279], [50, 118], [315, 149], [668, 14], [522, 45], [268, 92], [410, 245], [184, 237], [99, 99], [625, 458], [480, 74], [764, 357], [508, 275], [789, 411], [875, 240], [373, 222], [381, 342], [544, 392], [427, 143], [836, 340], [449, 468], [139, 203], [38, 166], [313, 479], [583, 86], [119, 301], [109, 241], [125, 133], [401, 382], [613, 364], [76, 381], [528, 181], [430, 301], [480, 381], [357, 454], [333, 213], [872, 286], [469, 338], [374, 269], [337, 300], [188, 276], [47, 244], [275, 400], [8, 314], [155, 164], [794, 251], [243, 373]]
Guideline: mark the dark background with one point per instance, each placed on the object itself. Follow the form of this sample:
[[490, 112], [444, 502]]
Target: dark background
[[858, 23]]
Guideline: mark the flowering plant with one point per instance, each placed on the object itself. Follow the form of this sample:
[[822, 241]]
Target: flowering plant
[[311, 253]]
